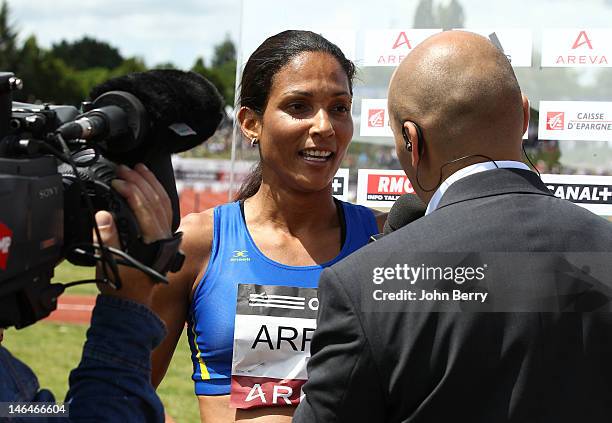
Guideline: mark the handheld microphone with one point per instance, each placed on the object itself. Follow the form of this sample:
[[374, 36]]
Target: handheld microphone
[[406, 209]]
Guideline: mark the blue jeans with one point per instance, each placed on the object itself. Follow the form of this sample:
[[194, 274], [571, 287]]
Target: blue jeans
[[113, 380]]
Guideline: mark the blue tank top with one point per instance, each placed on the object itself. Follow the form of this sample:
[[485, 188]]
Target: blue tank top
[[236, 259]]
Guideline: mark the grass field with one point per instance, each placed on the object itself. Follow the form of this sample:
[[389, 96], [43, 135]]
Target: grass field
[[67, 272], [52, 350]]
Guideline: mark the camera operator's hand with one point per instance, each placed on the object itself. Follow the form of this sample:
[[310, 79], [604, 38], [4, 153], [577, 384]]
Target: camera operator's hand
[[151, 205]]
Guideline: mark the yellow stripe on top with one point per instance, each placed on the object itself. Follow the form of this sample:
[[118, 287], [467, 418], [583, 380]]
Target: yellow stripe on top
[[204, 375]]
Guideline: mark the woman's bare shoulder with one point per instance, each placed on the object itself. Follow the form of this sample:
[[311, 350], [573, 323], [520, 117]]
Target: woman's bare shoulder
[[198, 230]]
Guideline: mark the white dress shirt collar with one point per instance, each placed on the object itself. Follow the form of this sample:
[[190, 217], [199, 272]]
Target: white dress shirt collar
[[467, 171]]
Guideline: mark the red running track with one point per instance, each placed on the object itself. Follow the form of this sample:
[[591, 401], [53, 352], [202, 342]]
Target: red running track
[[73, 309]]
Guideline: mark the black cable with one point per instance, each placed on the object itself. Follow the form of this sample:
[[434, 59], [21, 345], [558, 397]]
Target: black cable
[[107, 259], [448, 163], [127, 261], [81, 282], [107, 254], [530, 162]]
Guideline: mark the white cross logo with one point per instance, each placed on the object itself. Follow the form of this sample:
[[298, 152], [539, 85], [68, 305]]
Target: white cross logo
[[605, 193], [337, 184]]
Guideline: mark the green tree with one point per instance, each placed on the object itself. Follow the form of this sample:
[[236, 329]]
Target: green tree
[[222, 73], [8, 41], [46, 78], [208, 73], [224, 66], [224, 53], [165, 65], [133, 64], [87, 53], [66, 73], [89, 78]]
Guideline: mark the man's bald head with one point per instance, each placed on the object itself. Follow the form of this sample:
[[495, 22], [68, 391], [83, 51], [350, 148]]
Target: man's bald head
[[461, 90]]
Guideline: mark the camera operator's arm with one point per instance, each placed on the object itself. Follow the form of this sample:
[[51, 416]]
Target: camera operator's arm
[[112, 382]]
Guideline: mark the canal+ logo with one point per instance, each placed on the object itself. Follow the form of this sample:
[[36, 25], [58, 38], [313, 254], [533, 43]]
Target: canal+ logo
[[6, 237]]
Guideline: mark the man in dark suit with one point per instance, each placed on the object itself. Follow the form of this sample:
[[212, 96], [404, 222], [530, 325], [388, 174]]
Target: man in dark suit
[[458, 117]]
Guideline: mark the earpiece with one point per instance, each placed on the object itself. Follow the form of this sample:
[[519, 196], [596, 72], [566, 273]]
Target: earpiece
[[406, 139]]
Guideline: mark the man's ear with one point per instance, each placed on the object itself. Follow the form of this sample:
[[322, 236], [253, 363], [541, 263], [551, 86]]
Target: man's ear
[[413, 136], [525, 112], [250, 123]]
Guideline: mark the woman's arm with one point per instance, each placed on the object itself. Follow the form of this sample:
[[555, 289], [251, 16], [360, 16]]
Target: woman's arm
[[171, 302]]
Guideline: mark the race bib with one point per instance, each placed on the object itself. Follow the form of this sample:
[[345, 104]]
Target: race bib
[[273, 329]]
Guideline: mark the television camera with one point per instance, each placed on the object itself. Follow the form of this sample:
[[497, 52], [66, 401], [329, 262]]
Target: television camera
[[56, 168]]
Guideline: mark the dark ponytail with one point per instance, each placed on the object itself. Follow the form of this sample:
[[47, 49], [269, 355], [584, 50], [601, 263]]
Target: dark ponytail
[[251, 184], [265, 62]]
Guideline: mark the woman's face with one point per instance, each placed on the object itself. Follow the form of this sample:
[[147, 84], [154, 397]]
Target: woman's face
[[307, 124]]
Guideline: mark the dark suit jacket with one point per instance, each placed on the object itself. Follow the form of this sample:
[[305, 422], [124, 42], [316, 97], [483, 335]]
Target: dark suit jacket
[[465, 367]]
